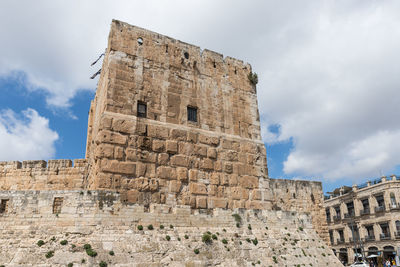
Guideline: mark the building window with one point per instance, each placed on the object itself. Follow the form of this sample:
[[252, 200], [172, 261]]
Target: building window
[[365, 204], [370, 233], [393, 201], [192, 114], [141, 109], [380, 200], [341, 236], [3, 206], [385, 231], [331, 236], [328, 215], [57, 203], [350, 209]]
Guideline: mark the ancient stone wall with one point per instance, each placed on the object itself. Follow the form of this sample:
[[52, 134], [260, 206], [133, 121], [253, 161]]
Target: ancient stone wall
[[302, 196], [100, 219], [161, 168], [42, 175], [218, 160]]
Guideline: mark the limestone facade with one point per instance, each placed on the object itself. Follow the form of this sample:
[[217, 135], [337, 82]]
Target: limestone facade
[[101, 220], [365, 216], [173, 137], [216, 160]]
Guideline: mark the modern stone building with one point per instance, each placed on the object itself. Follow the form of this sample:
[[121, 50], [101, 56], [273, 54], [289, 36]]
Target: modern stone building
[[365, 219]]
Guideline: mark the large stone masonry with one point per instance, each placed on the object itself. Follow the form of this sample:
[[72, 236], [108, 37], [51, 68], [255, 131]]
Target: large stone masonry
[[217, 161], [100, 219], [162, 168]]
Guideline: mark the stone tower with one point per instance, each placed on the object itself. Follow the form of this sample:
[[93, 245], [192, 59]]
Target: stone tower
[[173, 140], [175, 124]]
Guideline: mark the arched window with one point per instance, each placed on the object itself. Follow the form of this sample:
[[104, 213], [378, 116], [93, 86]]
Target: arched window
[[398, 226], [393, 200], [388, 248]]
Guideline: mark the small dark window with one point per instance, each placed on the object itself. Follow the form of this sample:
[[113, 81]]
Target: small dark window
[[57, 203], [140, 40], [186, 54], [192, 114], [141, 110], [3, 206]]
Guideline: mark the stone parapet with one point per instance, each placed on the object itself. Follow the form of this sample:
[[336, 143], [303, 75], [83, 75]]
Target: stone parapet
[[42, 175]]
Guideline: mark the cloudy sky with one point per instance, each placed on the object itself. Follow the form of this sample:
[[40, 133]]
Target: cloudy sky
[[329, 76]]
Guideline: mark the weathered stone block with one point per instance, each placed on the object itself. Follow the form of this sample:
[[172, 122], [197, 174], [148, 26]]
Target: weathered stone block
[[231, 155], [131, 154], [209, 140], [159, 145], [179, 160], [214, 202], [212, 153], [200, 150], [132, 196], [185, 148], [206, 164], [256, 194], [118, 152], [123, 126], [115, 166], [175, 186], [179, 135], [144, 142], [214, 178], [182, 173], [226, 144], [141, 128], [193, 174], [197, 188], [163, 158], [106, 136], [192, 137], [228, 168], [218, 166], [239, 193], [248, 181], [233, 179], [165, 172], [201, 202], [249, 147], [156, 131], [105, 123], [172, 146]]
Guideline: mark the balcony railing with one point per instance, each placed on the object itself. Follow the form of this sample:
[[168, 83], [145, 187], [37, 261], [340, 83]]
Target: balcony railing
[[397, 235], [340, 241], [380, 209], [349, 215], [365, 211], [384, 236], [336, 218], [369, 238], [351, 240]]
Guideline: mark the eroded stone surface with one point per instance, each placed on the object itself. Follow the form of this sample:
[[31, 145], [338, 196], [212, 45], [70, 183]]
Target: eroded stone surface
[[100, 219], [166, 170]]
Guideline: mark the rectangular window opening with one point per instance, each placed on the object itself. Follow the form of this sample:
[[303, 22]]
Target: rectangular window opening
[[3, 206], [141, 109], [192, 114], [57, 203]]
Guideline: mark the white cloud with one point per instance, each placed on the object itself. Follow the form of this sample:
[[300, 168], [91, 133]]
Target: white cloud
[[25, 136], [329, 72], [336, 93]]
